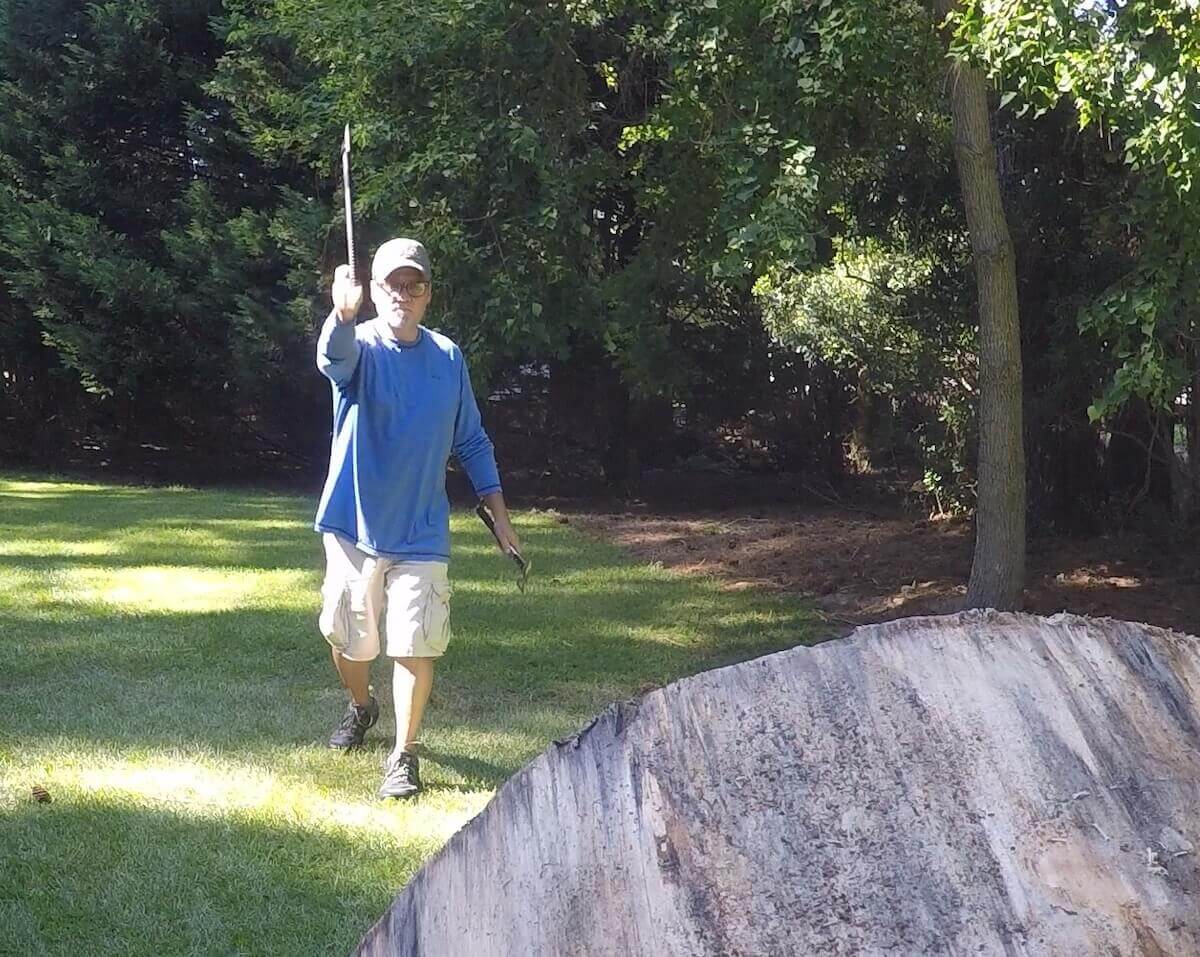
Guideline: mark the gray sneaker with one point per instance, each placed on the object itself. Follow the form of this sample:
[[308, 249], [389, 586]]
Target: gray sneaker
[[401, 777], [354, 725]]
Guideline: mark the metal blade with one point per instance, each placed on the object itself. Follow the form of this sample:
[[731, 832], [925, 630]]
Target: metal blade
[[349, 206], [522, 569]]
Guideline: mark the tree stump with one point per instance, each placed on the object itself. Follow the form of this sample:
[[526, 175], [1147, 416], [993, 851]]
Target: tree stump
[[981, 783]]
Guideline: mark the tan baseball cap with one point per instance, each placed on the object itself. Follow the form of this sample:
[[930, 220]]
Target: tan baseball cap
[[398, 253]]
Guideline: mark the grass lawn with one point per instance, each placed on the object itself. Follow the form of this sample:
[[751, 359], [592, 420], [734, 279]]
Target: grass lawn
[[163, 679]]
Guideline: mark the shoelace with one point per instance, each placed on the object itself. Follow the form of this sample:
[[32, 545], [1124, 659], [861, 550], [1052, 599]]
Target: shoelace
[[352, 717]]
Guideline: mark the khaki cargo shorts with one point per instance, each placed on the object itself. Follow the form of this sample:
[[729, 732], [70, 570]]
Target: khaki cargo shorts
[[364, 599]]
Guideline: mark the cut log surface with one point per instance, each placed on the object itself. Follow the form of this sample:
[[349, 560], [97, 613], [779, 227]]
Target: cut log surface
[[981, 783]]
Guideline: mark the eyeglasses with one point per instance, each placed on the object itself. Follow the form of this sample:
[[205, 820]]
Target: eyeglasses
[[414, 290]]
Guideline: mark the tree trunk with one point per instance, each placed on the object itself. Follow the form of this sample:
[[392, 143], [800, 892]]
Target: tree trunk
[[998, 568], [621, 466], [835, 409], [1138, 460], [1192, 420], [862, 439], [986, 783]]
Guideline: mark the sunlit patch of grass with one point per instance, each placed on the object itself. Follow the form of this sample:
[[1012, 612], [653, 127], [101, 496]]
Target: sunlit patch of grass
[[62, 549], [165, 683], [147, 590], [213, 788]]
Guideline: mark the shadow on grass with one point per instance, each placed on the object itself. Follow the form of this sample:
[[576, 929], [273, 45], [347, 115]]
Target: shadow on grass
[[590, 629], [115, 878], [251, 679]]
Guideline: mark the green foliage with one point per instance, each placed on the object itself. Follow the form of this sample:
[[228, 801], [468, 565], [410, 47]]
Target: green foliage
[[888, 307], [603, 183], [1129, 69], [582, 173], [876, 315], [852, 313], [1129, 72], [1146, 324], [134, 246], [599, 182]]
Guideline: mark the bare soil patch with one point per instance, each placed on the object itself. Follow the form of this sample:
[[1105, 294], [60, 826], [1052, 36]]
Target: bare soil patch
[[860, 567]]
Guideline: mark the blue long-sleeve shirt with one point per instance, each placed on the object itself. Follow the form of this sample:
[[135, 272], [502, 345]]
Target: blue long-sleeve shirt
[[399, 411]]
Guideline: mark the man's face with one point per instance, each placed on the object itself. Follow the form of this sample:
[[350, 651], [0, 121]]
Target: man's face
[[402, 296]]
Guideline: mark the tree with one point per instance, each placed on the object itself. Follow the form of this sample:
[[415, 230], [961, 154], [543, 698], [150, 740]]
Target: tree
[[135, 249], [1128, 73], [998, 568]]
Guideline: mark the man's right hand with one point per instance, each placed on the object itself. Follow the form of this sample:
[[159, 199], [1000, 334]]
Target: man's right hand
[[347, 295]]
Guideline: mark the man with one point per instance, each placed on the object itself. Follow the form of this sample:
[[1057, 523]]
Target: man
[[402, 405]]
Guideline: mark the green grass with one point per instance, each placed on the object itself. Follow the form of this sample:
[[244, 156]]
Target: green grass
[[164, 680]]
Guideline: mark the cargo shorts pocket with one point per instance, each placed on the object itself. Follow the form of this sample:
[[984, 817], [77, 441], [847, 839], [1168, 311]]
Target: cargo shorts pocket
[[346, 618], [436, 624], [335, 606]]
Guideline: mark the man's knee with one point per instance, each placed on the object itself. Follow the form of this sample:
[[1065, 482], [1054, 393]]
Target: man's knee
[[414, 663]]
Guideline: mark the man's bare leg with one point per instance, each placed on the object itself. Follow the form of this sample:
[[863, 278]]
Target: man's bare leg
[[363, 710], [412, 680], [356, 678]]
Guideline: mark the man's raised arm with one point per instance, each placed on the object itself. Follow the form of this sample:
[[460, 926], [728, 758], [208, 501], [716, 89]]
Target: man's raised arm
[[337, 348]]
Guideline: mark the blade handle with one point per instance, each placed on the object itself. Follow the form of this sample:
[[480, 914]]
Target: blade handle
[[486, 515]]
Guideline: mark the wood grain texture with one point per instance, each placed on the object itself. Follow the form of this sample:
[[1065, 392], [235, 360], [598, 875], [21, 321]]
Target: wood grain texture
[[982, 783]]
